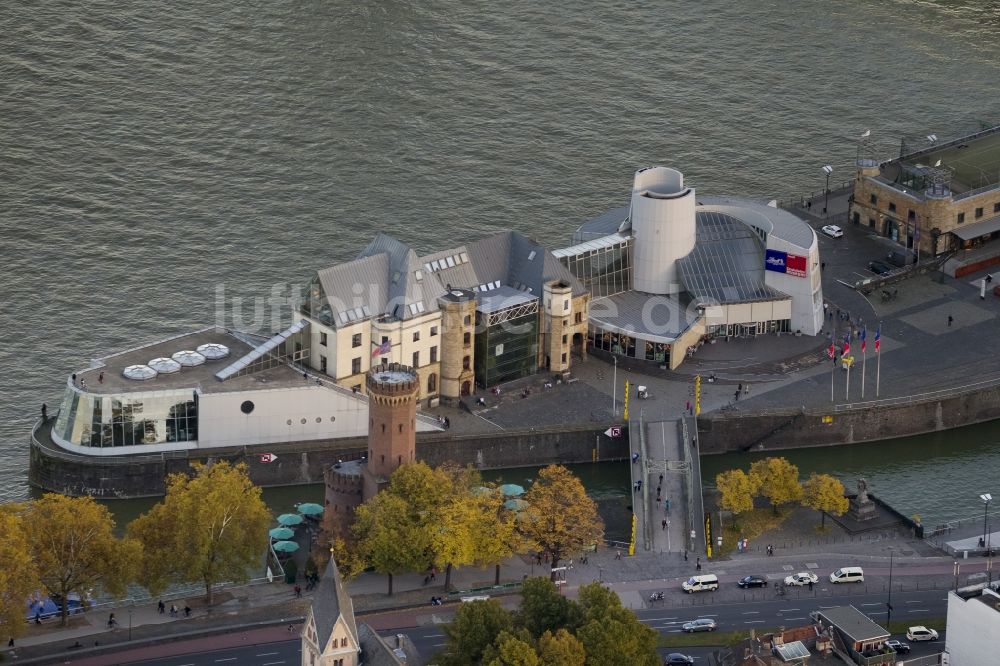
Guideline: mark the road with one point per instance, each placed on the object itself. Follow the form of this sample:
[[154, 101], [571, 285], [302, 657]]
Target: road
[[915, 606]]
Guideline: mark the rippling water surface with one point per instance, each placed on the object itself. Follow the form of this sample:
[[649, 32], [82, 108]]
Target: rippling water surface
[[157, 155]]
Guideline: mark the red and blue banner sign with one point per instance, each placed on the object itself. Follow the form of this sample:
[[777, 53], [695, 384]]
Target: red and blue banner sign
[[782, 262]]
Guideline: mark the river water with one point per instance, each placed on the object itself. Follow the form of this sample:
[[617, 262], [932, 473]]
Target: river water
[[171, 165]]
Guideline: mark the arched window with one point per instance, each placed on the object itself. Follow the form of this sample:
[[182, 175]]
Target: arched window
[[432, 382]]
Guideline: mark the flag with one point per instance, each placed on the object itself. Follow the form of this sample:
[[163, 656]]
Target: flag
[[832, 351], [382, 349], [867, 134], [878, 338], [847, 345], [863, 336]]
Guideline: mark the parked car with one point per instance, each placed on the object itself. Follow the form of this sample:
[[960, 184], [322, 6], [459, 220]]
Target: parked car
[[752, 581], [833, 231], [701, 624], [898, 646], [678, 659], [848, 575], [879, 268], [801, 578], [921, 633]]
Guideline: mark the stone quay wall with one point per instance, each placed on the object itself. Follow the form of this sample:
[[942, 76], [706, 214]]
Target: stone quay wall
[[303, 463], [721, 432]]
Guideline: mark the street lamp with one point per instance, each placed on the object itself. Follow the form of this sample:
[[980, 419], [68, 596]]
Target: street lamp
[[826, 202], [614, 387], [130, 624], [888, 602], [987, 498]]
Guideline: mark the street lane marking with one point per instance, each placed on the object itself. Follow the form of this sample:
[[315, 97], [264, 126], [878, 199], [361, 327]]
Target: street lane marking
[[439, 644], [272, 663], [754, 622], [787, 610], [795, 618], [870, 604], [752, 613], [916, 602], [226, 659], [919, 610], [267, 654], [657, 619], [434, 636]]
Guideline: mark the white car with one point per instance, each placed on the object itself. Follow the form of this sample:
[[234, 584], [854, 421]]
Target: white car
[[801, 578], [921, 634], [833, 231]]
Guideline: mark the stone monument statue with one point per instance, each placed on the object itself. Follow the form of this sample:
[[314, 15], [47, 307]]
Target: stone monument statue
[[862, 507]]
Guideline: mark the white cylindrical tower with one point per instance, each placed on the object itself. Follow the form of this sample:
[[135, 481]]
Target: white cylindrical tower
[[663, 227]]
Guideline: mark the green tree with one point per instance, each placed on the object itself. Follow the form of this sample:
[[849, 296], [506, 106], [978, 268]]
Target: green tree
[[511, 650], [475, 627], [74, 547], [494, 532], [560, 519], [735, 491], [211, 527], [777, 480], [544, 609], [612, 634], [825, 494], [561, 649], [389, 539], [18, 575]]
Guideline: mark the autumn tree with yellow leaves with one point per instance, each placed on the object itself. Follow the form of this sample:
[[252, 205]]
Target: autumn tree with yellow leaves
[[777, 480], [735, 491], [559, 519], [75, 550], [18, 575], [210, 528], [825, 494]]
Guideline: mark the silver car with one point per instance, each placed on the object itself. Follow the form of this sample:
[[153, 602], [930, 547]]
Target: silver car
[[701, 624]]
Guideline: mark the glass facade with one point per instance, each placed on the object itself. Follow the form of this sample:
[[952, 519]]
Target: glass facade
[[605, 271], [506, 349], [87, 419], [628, 345]]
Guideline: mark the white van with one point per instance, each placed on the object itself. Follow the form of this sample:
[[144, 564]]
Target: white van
[[848, 575], [706, 583]]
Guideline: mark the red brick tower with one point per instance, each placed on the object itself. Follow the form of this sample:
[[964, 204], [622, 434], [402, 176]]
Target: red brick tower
[[392, 423]]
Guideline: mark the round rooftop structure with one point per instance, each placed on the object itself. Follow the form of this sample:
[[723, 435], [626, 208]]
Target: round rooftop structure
[[164, 365], [188, 358], [213, 350], [139, 372]]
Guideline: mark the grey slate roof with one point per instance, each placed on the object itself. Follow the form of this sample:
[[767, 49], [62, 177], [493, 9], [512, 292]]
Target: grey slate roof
[[613, 221], [651, 317], [388, 277], [331, 601], [378, 651], [727, 262]]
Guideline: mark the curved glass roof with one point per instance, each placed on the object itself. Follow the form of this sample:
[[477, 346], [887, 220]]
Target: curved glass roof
[[164, 365], [188, 358], [213, 350], [139, 372]]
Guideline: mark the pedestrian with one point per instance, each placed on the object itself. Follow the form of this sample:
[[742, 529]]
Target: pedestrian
[[737, 396], [739, 388], [822, 267], [746, 390], [666, 505], [10, 643], [160, 606], [739, 545], [291, 628], [746, 545], [657, 492], [111, 621], [639, 484], [38, 617], [100, 378], [45, 412], [697, 565], [809, 205], [173, 610], [298, 591], [663, 523], [810, 585], [687, 406], [187, 611], [635, 457], [661, 479], [685, 556], [950, 319], [618, 554]]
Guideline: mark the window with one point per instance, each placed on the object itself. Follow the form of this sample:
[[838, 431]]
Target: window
[[911, 215], [874, 199], [343, 642], [432, 383], [961, 218], [979, 213], [322, 339], [465, 363], [322, 363], [579, 318], [434, 354], [565, 338], [564, 358], [355, 340], [416, 359], [416, 336], [871, 222], [565, 306], [400, 427], [467, 338], [996, 207], [468, 320], [434, 331], [892, 207], [356, 365], [356, 388]]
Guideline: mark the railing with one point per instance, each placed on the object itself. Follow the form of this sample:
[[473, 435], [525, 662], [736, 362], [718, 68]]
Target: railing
[[926, 660], [976, 192], [68, 456], [919, 397]]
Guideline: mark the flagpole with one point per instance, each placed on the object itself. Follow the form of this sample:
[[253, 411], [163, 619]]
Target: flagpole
[[878, 370], [864, 362], [833, 374], [847, 386]]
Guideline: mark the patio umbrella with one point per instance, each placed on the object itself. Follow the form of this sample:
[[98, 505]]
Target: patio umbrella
[[285, 546], [515, 504], [289, 519], [310, 509], [512, 489], [280, 533]]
